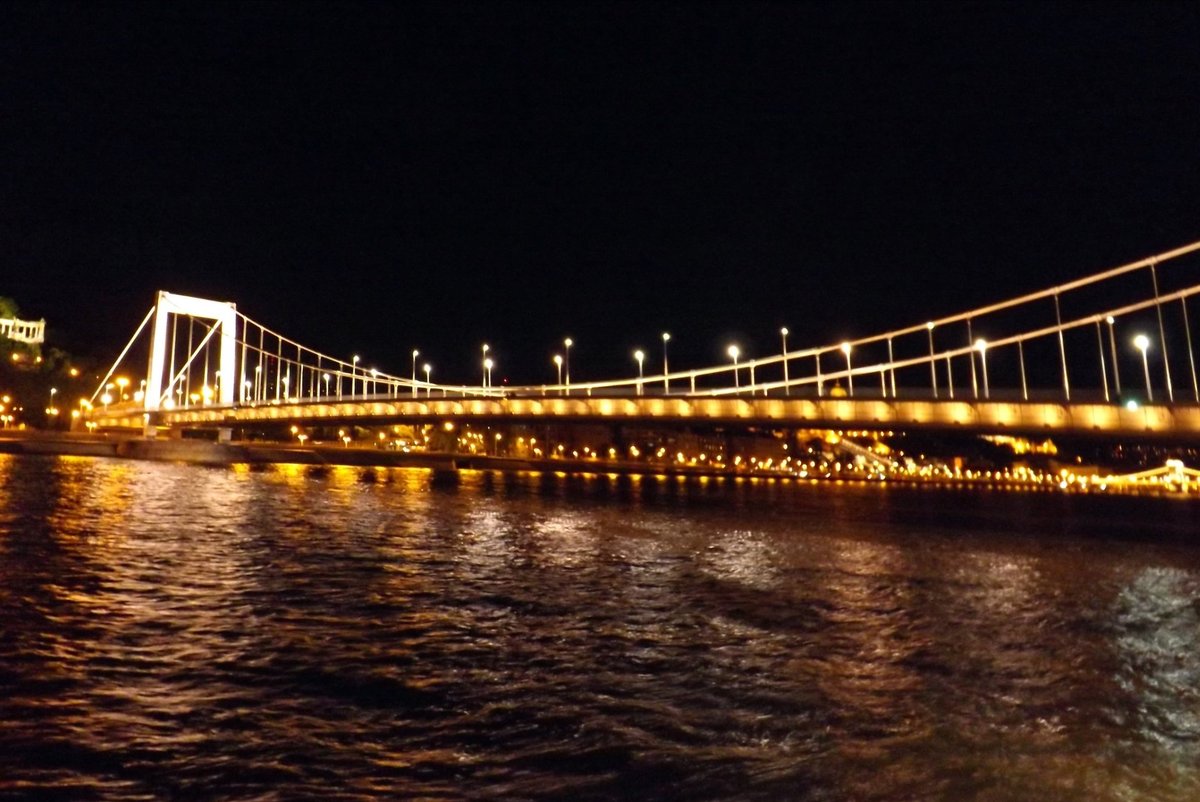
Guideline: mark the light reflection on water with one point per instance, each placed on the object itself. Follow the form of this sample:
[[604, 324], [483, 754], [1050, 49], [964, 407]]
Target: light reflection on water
[[178, 632]]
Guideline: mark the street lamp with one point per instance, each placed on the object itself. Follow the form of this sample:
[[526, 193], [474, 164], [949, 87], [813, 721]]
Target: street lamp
[[353, 371], [733, 352], [639, 355], [846, 348], [1112, 345], [416, 353], [932, 361], [122, 383], [486, 365], [981, 346], [567, 343], [428, 368], [1142, 343], [558, 363], [326, 377], [487, 372], [787, 390], [374, 382], [666, 382]]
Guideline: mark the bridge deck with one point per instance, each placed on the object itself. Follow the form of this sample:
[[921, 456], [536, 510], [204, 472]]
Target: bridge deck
[[981, 416]]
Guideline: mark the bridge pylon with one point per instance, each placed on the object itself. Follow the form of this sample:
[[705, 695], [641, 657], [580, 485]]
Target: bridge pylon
[[224, 315]]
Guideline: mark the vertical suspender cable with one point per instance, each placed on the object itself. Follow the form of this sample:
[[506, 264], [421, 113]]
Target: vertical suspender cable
[[932, 362], [971, 357], [892, 369], [1100, 349], [1187, 331], [187, 377], [171, 369], [1062, 348], [242, 371], [1021, 359]]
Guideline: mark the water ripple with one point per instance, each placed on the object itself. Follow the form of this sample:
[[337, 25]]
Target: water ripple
[[172, 632]]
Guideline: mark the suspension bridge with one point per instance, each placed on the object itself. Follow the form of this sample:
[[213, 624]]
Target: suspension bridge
[[1110, 353]]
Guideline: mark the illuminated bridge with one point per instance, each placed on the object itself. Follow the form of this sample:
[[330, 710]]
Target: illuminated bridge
[[1110, 353]]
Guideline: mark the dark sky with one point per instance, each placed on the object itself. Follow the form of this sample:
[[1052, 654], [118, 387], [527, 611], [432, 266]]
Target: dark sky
[[370, 177]]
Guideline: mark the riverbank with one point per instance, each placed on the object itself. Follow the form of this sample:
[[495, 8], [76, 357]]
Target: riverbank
[[203, 452], [1173, 479]]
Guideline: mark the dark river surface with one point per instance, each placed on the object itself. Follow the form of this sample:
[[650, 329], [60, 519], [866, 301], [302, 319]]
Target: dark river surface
[[185, 633]]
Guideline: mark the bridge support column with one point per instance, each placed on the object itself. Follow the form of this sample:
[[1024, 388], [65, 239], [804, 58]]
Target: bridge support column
[[150, 426], [225, 434]]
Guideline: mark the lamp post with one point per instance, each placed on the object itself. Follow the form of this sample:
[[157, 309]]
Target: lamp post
[[932, 360], [981, 346], [666, 337], [353, 373], [846, 348], [639, 355], [733, 352], [1112, 345], [487, 372], [428, 368], [558, 363], [325, 378], [1142, 343], [374, 381], [415, 354], [486, 365], [567, 343], [787, 389]]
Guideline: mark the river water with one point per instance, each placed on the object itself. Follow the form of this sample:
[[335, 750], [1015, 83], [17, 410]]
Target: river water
[[176, 632]]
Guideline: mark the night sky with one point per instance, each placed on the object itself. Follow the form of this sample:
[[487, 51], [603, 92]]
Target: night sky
[[369, 178]]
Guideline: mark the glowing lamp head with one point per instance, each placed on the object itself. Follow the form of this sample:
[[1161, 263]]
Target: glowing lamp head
[[568, 342], [784, 331], [558, 360], [639, 356], [487, 363], [981, 345], [929, 325], [1110, 320], [846, 348], [733, 351], [666, 336], [1141, 342]]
